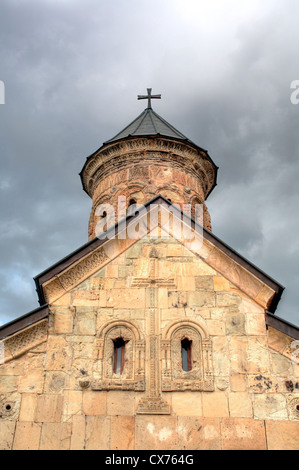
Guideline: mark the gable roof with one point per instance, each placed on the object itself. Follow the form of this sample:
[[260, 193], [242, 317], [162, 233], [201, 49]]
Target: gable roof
[[226, 250], [89, 248]]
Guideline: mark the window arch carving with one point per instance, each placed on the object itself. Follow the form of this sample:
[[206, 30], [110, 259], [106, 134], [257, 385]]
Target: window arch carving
[[130, 376], [198, 375]]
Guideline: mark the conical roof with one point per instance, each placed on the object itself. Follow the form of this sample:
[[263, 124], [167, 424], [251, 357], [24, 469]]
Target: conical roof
[[149, 123]]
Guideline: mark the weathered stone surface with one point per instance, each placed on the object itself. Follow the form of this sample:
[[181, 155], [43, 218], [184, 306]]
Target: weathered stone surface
[[215, 405], [122, 433], [282, 435], [72, 404], [220, 284], [7, 430], [156, 432], [97, 432], [198, 433], [187, 404], [271, 406], [49, 409], [94, 403], [78, 433], [235, 324], [56, 436], [250, 372], [27, 436], [28, 407], [240, 405], [120, 403], [243, 434]]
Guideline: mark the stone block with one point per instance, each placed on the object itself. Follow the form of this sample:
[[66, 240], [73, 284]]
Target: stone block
[[221, 284], [27, 436], [262, 384], [126, 298], [72, 404], [177, 299], [282, 435], [216, 327], [256, 324], [235, 324], [238, 383], [240, 405], [85, 323], [78, 433], [198, 433], [120, 403], [8, 384], [238, 354], [63, 301], [228, 300], [215, 405], [97, 432], [186, 283], [204, 283], [32, 382], [221, 360], [122, 433], [155, 432], [56, 436], [49, 408], [63, 322], [94, 403], [28, 407], [187, 403], [243, 434], [7, 429], [272, 406], [59, 354], [258, 360], [201, 299]]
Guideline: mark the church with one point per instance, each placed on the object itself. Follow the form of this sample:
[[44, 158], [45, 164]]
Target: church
[[154, 335]]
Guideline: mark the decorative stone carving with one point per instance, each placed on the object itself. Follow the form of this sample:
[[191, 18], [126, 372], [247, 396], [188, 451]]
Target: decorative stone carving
[[26, 339], [132, 377], [293, 405], [174, 378], [158, 165]]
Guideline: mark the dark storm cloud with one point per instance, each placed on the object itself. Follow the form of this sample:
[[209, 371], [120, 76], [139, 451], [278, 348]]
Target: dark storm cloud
[[72, 71]]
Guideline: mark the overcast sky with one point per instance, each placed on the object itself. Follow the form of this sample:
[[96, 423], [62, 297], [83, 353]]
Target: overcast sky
[[72, 70]]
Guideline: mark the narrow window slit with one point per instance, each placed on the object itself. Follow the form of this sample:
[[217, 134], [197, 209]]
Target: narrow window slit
[[186, 355], [119, 356]]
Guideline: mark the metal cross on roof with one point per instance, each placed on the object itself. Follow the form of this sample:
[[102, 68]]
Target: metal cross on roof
[[149, 97]]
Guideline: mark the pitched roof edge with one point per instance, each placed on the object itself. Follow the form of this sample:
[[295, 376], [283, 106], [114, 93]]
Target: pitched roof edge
[[282, 325], [26, 320], [209, 236]]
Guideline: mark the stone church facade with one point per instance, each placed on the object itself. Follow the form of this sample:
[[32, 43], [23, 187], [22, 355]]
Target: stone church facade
[[164, 340]]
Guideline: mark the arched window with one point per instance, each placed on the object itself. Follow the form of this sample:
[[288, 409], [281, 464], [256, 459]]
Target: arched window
[[186, 345], [120, 350], [119, 355], [186, 353]]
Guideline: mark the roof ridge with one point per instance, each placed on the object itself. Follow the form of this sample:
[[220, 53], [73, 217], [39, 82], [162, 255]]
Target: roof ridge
[[151, 117], [141, 121]]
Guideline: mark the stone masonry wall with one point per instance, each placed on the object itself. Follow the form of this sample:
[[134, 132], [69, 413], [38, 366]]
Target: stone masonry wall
[[60, 394]]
